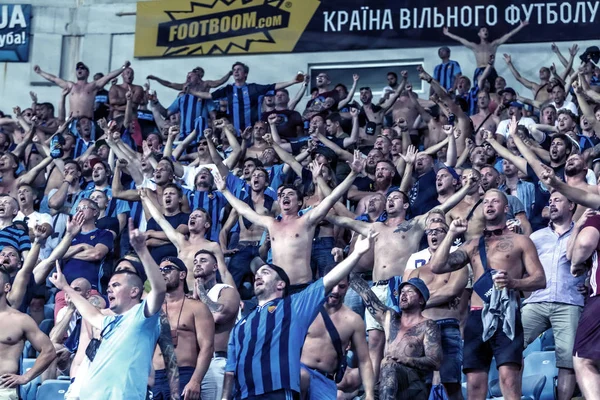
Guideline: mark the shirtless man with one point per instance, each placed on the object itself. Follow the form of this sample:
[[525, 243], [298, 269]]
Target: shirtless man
[[375, 113], [484, 119], [9, 181], [320, 358], [117, 94], [250, 234], [390, 260], [404, 108], [193, 82], [192, 332], [258, 143], [484, 49], [446, 291], [16, 328], [539, 90], [223, 301], [198, 225], [413, 347], [82, 92], [292, 234], [516, 260]]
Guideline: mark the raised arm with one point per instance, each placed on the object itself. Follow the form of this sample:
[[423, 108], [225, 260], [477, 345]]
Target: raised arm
[[457, 281], [342, 154], [401, 85], [219, 82], [100, 83], [574, 194], [442, 260], [19, 286], [33, 172], [283, 85], [556, 51], [294, 102], [289, 160], [349, 223], [156, 297], [525, 82], [242, 208], [503, 152], [52, 78], [165, 83], [459, 39], [343, 269], [177, 238], [505, 37], [348, 98], [317, 214], [85, 308]]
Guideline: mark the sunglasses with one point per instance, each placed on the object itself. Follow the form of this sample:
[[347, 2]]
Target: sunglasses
[[435, 231], [167, 269]]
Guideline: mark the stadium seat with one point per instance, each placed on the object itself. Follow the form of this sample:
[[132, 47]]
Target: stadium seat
[[49, 311], [28, 350], [53, 389], [531, 389], [542, 363], [547, 341], [28, 391], [46, 326], [536, 345]]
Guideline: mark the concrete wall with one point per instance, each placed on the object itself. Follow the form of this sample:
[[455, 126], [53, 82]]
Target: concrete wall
[[66, 31]]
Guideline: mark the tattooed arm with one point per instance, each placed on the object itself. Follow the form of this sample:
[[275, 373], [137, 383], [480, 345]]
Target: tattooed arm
[[227, 306], [165, 343], [442, 260], [432, 345], [372, 302]]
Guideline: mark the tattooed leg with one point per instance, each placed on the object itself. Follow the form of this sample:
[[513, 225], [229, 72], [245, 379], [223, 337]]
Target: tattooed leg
[[388, 382], [165, 343]]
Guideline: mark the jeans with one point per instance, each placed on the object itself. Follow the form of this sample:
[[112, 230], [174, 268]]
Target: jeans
[[212, 384], [321, 256], [239, 265]]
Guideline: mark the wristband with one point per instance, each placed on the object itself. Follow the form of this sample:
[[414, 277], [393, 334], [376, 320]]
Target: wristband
[[429, 80]]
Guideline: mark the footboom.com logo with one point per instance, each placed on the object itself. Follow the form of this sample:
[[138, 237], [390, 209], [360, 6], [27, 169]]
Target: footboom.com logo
[[214, 27]]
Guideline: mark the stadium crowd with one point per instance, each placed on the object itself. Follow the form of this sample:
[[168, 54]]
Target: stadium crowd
[[224, 243]]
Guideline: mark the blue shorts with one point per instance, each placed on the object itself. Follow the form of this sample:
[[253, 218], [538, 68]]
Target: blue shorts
[[281, 394], [321, 387], [478, 354], [452, 347], [161, 389]]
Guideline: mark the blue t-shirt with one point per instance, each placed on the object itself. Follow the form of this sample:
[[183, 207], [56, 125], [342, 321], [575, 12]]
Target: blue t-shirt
[[265, 347], [122, 364], [166, 250], [90, 270]]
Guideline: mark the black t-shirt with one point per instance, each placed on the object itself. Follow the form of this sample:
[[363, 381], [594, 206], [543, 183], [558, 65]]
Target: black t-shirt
[[321, 97], [423, 195], [108, 223], [158, 253], [288, 122]]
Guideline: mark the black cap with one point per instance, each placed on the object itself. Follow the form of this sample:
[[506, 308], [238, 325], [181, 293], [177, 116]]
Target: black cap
[[283, 275], [139, 268], [591, 53], [81, 65], [507, 90], [178, 264]]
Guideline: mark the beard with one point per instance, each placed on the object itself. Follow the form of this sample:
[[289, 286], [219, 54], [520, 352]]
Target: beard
[[573, 171]]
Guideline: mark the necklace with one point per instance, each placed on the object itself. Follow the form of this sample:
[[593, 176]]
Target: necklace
[[174, 332]]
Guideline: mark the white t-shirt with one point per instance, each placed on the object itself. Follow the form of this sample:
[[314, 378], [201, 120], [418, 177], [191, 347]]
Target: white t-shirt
[[189, 174], [569, 105], [502, 128], [33, 219], [421, 258]]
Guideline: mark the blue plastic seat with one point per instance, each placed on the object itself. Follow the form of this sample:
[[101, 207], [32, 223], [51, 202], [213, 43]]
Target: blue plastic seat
[[53, 389], [547, 340], [28, 391], [46, 326], [536, 345], [542, 363], [49, 311]]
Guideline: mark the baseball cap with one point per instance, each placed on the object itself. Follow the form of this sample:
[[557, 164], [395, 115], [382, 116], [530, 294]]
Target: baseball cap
[[81, 65], [139, 268], [418, 284], [517, 104], [450, 170], [507, 90], [179, 265]]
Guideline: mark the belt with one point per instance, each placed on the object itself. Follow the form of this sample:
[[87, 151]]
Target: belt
[[325, 374], [381, 282], [448, 322], [220, 354], [249, 243]]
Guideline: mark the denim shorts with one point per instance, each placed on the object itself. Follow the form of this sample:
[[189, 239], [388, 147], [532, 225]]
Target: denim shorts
[[452, 348]]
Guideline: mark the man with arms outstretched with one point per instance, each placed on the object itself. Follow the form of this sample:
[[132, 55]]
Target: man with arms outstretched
[[292, 234], [518, 267]]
